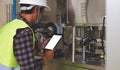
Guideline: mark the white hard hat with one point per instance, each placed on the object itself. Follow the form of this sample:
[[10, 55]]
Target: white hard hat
[[35, 2]]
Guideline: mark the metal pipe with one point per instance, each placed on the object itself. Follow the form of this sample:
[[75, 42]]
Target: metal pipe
[[67, 12], [14, 9], [73, 45], [83, 57]]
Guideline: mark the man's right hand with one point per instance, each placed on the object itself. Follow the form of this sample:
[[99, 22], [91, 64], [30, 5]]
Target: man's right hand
[[48, 55]]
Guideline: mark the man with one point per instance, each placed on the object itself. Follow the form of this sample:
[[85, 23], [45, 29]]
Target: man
[[58, 24], [17, 39]]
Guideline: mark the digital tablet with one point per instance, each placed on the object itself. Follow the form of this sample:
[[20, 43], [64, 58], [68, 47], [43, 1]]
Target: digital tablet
[[53, 42]]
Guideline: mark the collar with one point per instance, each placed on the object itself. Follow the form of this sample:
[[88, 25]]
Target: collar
[[22, 18]]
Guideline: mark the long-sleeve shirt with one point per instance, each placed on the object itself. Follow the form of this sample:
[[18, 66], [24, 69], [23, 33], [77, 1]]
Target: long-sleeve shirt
[[23, 50]]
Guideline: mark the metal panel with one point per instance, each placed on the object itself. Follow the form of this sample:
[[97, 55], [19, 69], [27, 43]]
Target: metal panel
[[82, 12], [96, 11]]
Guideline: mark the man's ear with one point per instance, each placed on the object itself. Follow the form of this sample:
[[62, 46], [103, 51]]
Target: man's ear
[[36, 9]]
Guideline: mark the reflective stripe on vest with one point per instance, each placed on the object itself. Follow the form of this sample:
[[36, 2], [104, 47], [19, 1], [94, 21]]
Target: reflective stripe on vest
[[7, 32]]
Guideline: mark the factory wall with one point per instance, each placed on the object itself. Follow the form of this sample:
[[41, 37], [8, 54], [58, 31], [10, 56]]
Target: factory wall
[[6, 11]]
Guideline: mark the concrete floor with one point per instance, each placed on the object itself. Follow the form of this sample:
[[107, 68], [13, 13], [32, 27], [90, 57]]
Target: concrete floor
[[66, 65]]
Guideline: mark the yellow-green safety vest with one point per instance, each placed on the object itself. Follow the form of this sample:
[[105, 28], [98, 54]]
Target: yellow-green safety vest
[[7, 32]]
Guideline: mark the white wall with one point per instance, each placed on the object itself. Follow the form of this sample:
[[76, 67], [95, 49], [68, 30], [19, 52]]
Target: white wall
[[6, 11], [5, 1], [113, 34]]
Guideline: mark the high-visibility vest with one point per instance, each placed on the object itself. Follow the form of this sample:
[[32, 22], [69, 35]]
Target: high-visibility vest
[[7, 33]]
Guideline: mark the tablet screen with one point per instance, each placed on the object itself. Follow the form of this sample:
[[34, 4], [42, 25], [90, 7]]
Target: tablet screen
[[53, 41]]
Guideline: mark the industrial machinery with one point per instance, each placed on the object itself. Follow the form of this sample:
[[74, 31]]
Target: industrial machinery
[[84, 35], [83, 41]]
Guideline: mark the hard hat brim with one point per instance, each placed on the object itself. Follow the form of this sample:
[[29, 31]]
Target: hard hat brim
[[47, 8]]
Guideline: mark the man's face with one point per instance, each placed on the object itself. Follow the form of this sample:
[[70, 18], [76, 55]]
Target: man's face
[[34, 15]]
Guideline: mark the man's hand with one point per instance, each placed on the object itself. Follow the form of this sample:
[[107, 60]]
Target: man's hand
[[44, 43], [48, 55]]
